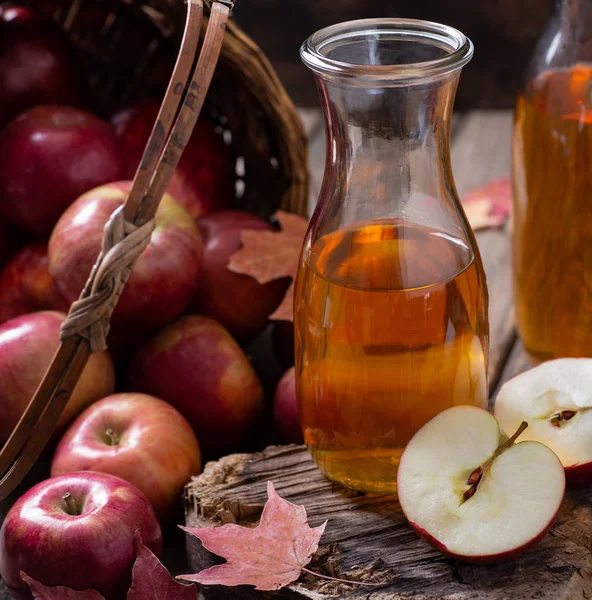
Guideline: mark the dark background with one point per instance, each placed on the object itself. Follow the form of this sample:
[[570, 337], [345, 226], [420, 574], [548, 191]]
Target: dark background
[[504, 33]]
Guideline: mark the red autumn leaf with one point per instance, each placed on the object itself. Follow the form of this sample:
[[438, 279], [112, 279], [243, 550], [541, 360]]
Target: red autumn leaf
[[269, 255], [489, 205], [269, 556], [152, 581], [43, 592]]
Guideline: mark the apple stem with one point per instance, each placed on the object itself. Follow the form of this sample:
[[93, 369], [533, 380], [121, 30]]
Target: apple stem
[[113, 438], [71, 507], [476, 476]]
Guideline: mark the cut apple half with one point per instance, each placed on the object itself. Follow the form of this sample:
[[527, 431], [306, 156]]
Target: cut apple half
[[556, 400], [473, 493]]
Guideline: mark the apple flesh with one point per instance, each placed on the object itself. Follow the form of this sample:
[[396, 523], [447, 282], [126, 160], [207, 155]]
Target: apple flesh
[[285, 409], [163, 279], [195, 365], [556, 401], [27, 347], [237, 301], [49, 156], [138, 438], [203, 180], [472, 493], [36, 65], [77, 530], [26, 285]]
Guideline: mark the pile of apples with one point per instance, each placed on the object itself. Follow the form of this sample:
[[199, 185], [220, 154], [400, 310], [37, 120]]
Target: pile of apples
[[175, 384]]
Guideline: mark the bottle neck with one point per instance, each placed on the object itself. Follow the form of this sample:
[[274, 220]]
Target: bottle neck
[[389, 145], [576, 13]]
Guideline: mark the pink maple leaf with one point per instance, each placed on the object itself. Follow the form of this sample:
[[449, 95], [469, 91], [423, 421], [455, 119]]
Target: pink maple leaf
[[488, 205], [269, 556]]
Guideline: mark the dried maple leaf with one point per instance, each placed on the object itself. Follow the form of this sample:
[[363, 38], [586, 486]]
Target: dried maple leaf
[[269, 255], [152, 581], [489, 205], [269, 556], [43, 592]]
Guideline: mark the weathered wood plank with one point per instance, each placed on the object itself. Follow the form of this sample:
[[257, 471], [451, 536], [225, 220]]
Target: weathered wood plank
[[481, 152], [368, 539]]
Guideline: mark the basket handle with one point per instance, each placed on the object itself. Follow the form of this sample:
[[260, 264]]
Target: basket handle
[[86, 327]]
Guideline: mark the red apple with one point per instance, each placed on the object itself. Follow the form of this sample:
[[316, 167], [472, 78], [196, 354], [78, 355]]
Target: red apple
[[11, 240], [285, 409], [27, 346], [77, 530], [473, 493], [237, 301], [203, 180], [555, 399], [164, 277], [49, 156], [138, 438], [36, 63], [26, 285], [195, 365]]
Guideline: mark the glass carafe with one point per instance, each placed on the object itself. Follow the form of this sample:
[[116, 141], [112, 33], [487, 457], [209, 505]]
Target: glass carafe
[[552, 184], [390, 304]]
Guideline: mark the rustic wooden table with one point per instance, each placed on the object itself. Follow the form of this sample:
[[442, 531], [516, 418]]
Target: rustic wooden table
[[480, 152]]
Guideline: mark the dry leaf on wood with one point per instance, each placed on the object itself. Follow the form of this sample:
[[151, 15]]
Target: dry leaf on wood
[[269, 556], [269, 255], [489, 205], [43, 592]]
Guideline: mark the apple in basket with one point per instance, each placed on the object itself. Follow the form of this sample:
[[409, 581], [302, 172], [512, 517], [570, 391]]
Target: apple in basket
[[138, 438], [49, 155], [164, 277], [36, 63], [203, 181], [237, 301], [77, 530], [27, 346], [26, 285], [196, 365]]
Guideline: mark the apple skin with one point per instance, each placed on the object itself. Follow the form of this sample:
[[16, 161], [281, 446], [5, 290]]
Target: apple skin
[[27, 347], [203, 179], [155, 448], [50, 155], [36, 64], [285, 409], [237, 301], [93, 550], [195, 365], [579, 474], [163, 279], [26, 285], [484, 560]]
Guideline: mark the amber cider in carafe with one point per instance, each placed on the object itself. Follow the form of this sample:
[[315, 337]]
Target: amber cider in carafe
[[393, 325], [552, 180]]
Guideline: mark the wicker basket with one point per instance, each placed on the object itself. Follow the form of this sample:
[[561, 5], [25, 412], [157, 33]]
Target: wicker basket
[[130, 46]]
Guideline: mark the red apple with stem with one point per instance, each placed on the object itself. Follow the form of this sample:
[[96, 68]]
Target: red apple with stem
[[77, 530], [27, 347], [203, 180], [37, 63], [195, 365], [50, 155], [237, 301], [472, 492], [138, 438], [26, 285], [163, 279]]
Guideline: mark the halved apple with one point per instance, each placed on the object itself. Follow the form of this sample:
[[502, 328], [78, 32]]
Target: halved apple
[[474, 494], [556, 400]]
